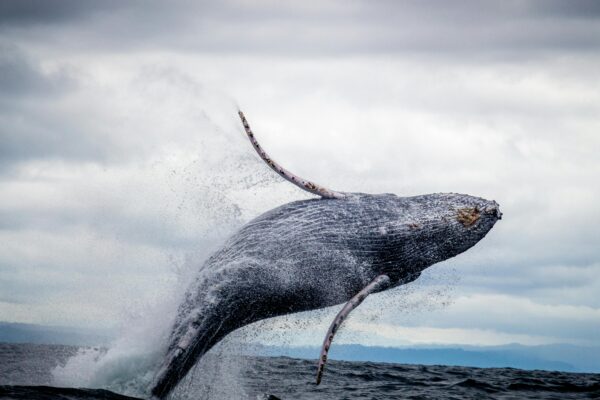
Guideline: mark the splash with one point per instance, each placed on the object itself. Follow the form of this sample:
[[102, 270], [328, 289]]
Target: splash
[[207, 183]]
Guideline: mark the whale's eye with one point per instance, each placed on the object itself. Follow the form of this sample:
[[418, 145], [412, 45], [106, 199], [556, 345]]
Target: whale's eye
[[468, 216]]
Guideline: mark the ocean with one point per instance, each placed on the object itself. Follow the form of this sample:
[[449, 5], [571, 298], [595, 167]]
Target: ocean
[[26, 373]]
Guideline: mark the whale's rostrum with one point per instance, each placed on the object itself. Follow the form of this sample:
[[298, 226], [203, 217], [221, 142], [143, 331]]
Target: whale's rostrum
[[317, 253]]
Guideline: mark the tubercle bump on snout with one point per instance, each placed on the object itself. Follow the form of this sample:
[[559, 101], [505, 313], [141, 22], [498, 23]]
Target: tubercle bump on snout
[[494, 210]]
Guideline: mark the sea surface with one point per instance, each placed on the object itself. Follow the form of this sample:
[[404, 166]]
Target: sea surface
[[26, 373]]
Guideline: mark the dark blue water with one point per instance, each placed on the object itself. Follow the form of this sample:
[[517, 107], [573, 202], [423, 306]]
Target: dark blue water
[[24, 367]]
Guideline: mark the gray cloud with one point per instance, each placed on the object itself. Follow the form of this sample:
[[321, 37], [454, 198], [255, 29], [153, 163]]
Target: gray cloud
[[20, 76], [33, 134], [565, 9], [30, 127], [122, 157], [32, 12], [467, 29]]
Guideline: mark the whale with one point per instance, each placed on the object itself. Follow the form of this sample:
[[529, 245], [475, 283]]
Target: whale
[[334, 249]]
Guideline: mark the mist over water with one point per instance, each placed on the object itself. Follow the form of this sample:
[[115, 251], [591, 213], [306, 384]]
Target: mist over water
[[205, 185], [128, 365]]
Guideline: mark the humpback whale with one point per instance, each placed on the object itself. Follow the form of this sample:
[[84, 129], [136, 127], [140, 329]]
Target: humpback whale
[[316, 253]]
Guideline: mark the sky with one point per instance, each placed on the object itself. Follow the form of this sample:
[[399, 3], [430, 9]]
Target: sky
[[123, 163]]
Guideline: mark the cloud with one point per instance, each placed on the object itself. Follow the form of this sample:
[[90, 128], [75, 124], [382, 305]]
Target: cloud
[[121, 158], [386, 334], [408, 318], [333, 27], [20, 76], [31, 97], [34, 12], [516, 315]]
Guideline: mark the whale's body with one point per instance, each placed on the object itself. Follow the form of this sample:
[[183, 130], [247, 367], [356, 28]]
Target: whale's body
[[317, 253]]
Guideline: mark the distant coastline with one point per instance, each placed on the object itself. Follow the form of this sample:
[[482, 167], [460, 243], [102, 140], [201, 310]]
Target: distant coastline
[[555, 357], [11, 332], [547, 358]]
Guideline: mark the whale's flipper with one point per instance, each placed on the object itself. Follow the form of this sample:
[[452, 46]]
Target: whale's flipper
[[379, 283], [284, 173]]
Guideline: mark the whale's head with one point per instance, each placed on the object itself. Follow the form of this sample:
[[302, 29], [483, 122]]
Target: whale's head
[[398, 233], [409, 234]]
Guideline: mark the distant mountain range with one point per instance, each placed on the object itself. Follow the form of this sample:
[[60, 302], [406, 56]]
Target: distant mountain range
[[41, 334], [555, 357]]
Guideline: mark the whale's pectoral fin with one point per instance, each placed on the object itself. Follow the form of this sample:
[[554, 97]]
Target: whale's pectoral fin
[[381, 282], [284, 173]]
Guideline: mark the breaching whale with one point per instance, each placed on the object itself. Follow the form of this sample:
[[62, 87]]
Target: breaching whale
[[317, 253]]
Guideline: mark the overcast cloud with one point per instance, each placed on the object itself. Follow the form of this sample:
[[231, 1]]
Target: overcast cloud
[[122, 162]]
